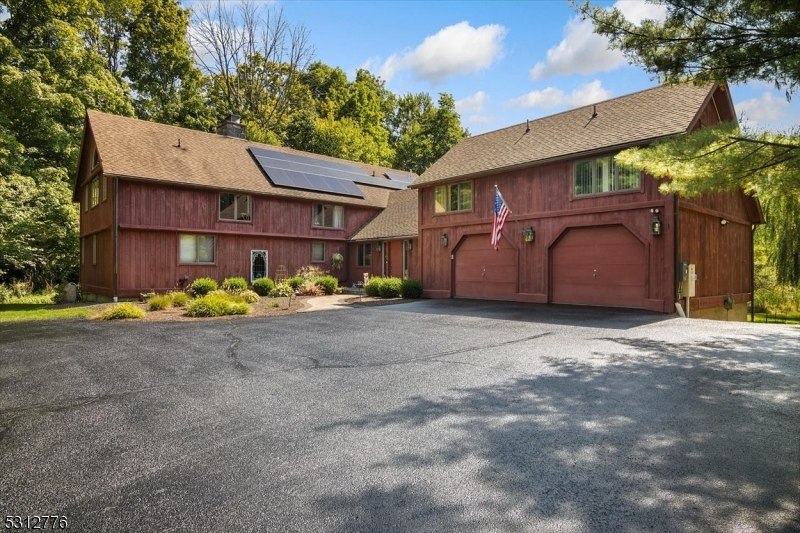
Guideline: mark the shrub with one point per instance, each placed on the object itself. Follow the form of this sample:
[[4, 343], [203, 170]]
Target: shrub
[[275, 303], [202, 286], [309, 288], [295, 282], [310, 272], [121, 311], [234, 285], [217, 303], [328, 283], [179, 299], [263, 286], [5, 293], [281, 290], [157, 303], [21, 288], [373, 288], [411, 288], [390, 288], [249, 297]]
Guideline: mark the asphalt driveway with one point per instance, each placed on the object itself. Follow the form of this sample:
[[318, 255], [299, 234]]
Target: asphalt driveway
[[428, 416]]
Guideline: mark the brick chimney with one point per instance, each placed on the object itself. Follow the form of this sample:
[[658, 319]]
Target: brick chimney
[[231, 127]]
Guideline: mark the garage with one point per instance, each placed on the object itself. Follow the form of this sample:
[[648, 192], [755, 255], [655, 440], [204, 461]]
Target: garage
[[483, 272], [599, 266]]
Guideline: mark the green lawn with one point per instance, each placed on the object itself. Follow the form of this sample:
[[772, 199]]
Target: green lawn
[[788, 318], [16, 312]]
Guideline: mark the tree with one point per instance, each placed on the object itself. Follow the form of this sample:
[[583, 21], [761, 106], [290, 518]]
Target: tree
[[703, 41]]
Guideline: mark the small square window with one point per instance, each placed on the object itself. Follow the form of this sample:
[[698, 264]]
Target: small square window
[[317, 252]]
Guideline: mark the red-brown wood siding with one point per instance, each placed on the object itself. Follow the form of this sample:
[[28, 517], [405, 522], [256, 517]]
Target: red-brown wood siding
[[603, 265], [483, 272], [151, 216], [96, 221], [541, 197]]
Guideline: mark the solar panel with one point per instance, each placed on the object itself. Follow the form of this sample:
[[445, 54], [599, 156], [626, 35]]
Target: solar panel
[[403, 178], [309, 173]]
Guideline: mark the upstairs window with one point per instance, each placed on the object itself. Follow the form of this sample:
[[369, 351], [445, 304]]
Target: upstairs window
[[95, 191], [453, 197], [328, 216], [234, 206], [603, 175]]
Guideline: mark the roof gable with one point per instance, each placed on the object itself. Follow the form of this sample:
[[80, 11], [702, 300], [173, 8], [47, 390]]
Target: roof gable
[[398, 220], [624, 121], [145, 150]]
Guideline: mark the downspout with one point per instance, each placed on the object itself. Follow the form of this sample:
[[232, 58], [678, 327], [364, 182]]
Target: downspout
[[115, 285]]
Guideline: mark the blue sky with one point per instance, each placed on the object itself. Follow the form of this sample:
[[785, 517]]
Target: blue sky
[[504, 62]]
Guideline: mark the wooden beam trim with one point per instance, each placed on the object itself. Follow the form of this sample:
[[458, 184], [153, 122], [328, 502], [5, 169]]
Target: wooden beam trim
[[556, 214], [715, 213], [228, 232]]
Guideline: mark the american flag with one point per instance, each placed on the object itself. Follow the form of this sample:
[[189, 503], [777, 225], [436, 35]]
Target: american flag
[[499, 220]]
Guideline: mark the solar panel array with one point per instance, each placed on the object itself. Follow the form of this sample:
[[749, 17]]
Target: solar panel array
[[402, 178], [312, 174]]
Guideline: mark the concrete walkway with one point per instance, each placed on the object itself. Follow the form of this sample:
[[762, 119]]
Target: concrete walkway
[[327, 303]]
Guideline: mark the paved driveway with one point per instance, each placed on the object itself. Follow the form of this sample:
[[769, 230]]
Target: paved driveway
[[428, 416]]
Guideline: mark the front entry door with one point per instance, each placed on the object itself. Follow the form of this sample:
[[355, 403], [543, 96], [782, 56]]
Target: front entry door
[[258, 264], [384, 259], [406, 247]]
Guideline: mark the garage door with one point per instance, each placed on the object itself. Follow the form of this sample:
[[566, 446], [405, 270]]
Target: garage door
[[599, 266], [482, 272]]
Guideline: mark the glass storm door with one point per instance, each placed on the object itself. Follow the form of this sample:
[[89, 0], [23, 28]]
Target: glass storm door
[[258, 264]]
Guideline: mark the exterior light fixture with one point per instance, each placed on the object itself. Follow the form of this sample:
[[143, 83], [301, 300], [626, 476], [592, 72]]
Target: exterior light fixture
[[444, 240], [655, 223], [529, 234], [408, 245], [723, 222], [378, 247]]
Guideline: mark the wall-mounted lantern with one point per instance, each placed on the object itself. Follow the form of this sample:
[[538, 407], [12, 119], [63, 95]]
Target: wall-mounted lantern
[[378, 247], [655, 223], [529, 234], [444, 240], [408, 245], [723, 222]]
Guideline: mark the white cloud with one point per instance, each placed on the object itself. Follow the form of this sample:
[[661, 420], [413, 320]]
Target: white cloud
[[550, 97], [474, 102], [452, 51], [582, 51], [479, 119], [765, 108]]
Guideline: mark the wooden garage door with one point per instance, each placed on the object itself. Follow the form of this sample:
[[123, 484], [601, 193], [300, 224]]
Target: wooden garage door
[[483, 272], [599, 266]]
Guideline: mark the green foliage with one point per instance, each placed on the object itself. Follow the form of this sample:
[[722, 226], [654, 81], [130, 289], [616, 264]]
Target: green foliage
[[234, 285], [709, 41], [309, 288], [202, 286], [179, 298], [217, 303], [5, 293], [296, 281], [250, 297], [373, 288], [122, 311], [263, 286], [328, 283], [284, 290], [411, 288], [275, 304], [390, 288], [310, 272], [158, 303], [17, 312]]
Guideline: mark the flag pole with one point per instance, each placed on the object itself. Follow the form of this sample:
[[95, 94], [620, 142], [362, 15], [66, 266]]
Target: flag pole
[[510, 212]]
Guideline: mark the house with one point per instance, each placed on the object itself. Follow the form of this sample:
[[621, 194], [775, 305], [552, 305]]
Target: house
[[162, 205], [583, 229]]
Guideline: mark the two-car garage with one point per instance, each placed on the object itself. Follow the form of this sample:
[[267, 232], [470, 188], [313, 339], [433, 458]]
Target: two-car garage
[[599, 265]]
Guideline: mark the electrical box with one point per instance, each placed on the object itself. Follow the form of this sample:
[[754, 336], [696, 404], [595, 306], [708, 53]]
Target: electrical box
[[683, 271], [688, 284]]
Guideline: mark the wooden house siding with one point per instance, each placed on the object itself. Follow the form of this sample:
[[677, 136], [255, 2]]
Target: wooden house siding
[[152, 216], [394, 264]]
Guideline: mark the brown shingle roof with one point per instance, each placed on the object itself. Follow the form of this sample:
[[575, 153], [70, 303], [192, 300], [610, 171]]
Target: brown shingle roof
[[629, 119], [147, 150], [398, 220]]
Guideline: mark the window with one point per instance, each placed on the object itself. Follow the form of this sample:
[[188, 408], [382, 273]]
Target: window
[[196, 249], [317, 252], [364, 255], [234, 206], [453, 197], [328, 216], [105, 188], [603, 175], [94, 249], [95, 191]]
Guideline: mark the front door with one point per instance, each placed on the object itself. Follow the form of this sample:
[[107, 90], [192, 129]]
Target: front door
[[406, 248], [384, 259], [258, 264]]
